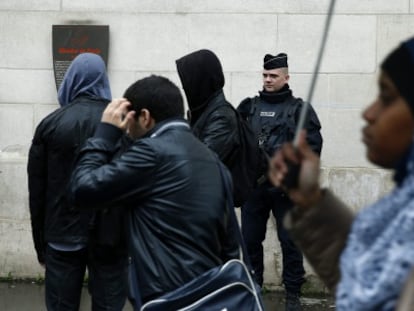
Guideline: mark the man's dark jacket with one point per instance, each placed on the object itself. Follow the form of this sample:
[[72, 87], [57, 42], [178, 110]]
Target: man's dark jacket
[[213, 120], [217, 128], [56, 141], [170, 181]]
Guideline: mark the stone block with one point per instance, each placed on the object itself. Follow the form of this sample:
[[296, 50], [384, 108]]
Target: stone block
[[18, 257], [20, 5], [26, 40], [147, 6], [13, 188], [392, 30], [352, 91], [342, 7], [27, 86], [300, 36], [238, 44], [16, 125], [150, 42], [341, 131], [230, 6], [359, 188]]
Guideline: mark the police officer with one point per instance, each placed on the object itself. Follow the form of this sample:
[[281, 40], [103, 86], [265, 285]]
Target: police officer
[[273, 115]]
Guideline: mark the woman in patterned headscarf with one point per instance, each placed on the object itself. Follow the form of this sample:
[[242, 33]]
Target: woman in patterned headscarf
[[365, 259]]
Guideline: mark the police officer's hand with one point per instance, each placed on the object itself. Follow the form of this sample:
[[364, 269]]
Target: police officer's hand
[[308, 191], [118, 114]]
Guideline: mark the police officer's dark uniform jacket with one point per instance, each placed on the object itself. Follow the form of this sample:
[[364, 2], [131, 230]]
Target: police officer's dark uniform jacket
[[274, 117], [178, 224]]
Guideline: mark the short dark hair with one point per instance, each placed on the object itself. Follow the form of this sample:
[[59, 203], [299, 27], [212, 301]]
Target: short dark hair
[[159, 95]]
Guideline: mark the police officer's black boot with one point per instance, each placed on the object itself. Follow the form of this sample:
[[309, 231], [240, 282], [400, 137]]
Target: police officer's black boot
[[293, 302]]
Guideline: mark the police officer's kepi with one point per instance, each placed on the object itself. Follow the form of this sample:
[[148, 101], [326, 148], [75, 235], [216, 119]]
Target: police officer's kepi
[[273, 62]]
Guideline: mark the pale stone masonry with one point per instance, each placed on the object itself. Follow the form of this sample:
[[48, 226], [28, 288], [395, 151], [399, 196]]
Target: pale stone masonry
[[148, 36]]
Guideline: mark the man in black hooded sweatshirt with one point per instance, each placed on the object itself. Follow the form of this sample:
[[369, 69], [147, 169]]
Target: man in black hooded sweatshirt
[[212, 118], [273, 116]]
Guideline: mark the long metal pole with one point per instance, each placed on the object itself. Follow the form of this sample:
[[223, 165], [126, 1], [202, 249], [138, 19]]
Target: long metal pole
[[305, 106]]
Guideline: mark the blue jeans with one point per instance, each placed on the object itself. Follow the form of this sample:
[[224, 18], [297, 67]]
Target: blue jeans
[[254, 216], [65, 273]]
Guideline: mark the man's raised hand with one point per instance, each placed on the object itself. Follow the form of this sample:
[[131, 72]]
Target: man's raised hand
[[118, 113]]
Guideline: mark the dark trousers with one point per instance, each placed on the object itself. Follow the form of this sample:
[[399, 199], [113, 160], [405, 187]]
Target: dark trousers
[[254, 216], [65, 273]]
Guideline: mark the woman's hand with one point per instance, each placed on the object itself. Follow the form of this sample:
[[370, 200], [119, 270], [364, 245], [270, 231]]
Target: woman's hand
[[308, 191]]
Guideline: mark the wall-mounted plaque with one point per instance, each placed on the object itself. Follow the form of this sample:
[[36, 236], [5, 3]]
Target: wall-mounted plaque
[[71, 40]]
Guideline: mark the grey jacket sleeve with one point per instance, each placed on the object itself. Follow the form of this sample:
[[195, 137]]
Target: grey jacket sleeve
[[321, 232]]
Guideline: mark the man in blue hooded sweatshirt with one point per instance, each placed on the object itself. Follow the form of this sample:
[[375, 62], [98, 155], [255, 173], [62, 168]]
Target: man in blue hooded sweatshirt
[[66, 239]]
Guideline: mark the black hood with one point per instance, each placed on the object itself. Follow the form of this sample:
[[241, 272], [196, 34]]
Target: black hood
[[202, 76]]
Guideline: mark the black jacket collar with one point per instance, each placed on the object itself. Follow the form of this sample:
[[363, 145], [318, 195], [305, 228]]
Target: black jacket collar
[[276, 97]]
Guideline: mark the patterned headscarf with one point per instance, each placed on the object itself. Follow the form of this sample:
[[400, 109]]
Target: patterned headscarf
[[380, 251]]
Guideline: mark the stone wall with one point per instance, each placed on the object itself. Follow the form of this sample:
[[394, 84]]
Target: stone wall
[[148, 36]]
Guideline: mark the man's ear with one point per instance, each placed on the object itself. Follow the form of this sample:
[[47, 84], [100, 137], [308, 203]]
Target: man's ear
[[148, 121]]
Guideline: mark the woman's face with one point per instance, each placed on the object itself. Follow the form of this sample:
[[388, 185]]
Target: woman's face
[[390, 125]]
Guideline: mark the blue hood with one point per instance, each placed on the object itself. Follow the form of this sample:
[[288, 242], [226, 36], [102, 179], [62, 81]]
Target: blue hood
[[86, 76]]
